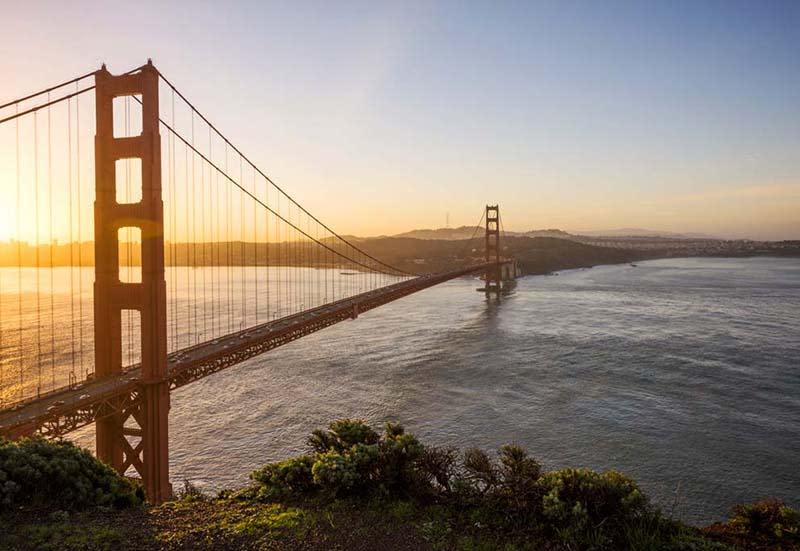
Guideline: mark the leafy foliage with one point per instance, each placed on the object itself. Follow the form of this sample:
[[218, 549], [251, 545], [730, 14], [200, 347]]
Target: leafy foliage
[[342, 435], [38, 472], [770, 519], [285, 477], [581, 504], [479, 500], [436, 468], [348, 458], [581, 496]]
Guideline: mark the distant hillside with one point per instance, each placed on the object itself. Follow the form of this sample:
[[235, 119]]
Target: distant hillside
[[561, 234], [537, 255], [466, 232], [640, 232]]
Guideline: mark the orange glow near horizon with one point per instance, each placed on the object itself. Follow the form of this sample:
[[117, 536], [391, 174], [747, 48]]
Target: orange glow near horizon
[[403, 119]]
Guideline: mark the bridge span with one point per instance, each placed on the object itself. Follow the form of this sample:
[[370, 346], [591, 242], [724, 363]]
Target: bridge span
[[199, 203], [62, 411]]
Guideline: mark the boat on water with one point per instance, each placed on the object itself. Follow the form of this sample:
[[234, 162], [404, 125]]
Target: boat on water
[[348, 273]]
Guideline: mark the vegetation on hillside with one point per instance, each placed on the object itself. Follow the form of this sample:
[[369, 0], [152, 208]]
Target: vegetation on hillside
[[536, 255], [38, 472], [357, 488]]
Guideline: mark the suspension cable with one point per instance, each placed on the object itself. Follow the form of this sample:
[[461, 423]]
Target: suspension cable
[[474, 233], [45, 105], [57, 100], [46, 90], [260, 202], [268, 179]]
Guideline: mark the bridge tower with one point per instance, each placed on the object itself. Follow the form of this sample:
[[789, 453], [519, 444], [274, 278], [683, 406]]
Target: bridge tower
[[493, 276], [150, 408]]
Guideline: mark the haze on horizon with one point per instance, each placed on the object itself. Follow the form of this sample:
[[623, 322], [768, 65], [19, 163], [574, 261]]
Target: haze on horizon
[[382, 118]]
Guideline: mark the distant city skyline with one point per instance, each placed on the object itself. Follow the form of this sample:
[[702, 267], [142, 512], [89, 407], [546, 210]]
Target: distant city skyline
[[379, 118]]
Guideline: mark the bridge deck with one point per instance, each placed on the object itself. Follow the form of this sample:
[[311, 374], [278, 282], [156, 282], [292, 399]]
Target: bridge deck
[[69, 408]]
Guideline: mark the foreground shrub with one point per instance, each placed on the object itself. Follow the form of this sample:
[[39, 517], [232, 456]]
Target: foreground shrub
[[348, 458], [583, 496], [285, 477], [398, 453], [59, 474], [520, 487], [770, 519], [342, 435], [436, 469], [502, 499]]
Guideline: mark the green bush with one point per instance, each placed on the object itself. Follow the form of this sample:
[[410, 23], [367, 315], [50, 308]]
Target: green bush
[[397, 453], [436, 469], [507, 499], [58, 474], [769, 519], [586, 505], [343, 473], [347, 458], [519, 490], [342, 435], [285, 477], [479, 473]]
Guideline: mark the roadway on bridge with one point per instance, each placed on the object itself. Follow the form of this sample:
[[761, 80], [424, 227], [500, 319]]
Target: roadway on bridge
[[66, 409]]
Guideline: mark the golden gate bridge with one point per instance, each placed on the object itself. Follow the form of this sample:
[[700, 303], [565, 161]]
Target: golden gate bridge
[[200, 261]]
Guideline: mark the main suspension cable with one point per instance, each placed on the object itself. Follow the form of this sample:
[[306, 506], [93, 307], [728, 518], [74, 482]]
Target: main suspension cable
[[49, 103], [45, 105], [47, 90], [268, 179], [260, 202], [474, 233]]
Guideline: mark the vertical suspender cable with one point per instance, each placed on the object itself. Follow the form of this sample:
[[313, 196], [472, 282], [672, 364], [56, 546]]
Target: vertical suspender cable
[[20, 351], [279, 302], [195, 326], [38, 260], [211, 269], [186, 238], [80, 232], [217, 209], [203, 262], [228, 247], [243, 283], [173, 233], [267, 245], [50, 215], [70, 241], [229, 250], [255, 247]]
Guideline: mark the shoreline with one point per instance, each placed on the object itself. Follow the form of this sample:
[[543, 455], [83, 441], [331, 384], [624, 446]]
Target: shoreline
[[559, 271]]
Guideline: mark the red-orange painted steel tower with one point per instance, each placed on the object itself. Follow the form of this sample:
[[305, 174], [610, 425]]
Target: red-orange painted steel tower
[[148, 456], [493, 276]]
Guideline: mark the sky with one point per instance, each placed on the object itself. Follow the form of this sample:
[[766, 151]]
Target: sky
[[380, 117]]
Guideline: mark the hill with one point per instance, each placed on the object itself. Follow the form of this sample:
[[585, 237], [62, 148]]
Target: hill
[[466, 232], [640, 232], [537, 255]]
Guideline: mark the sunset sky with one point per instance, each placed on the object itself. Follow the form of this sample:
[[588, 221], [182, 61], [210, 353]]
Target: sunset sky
[[382, 117]]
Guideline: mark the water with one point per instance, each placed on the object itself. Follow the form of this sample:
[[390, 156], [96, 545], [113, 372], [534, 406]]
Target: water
[[47, 315], [682, 373]]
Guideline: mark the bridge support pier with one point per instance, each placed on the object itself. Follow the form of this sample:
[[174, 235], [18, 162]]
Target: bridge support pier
[[493, 276], [116, 433]]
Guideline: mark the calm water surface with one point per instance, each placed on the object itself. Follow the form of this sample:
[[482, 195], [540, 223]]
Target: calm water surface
[[683, 373]]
